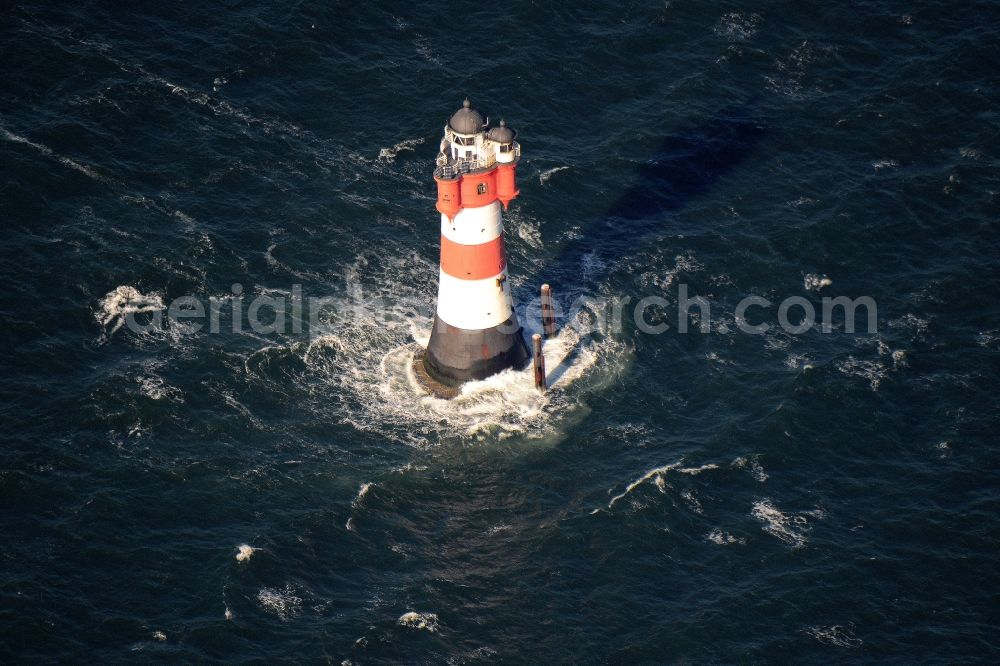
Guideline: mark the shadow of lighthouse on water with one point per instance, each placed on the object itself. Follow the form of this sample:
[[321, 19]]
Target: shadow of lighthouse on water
[[684, 166]]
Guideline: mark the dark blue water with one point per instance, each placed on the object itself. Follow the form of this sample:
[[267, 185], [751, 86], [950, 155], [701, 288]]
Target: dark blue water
[[703, 498]]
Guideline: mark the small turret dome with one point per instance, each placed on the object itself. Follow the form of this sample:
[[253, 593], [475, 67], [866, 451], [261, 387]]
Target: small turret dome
[[501, 133], [467, 120]]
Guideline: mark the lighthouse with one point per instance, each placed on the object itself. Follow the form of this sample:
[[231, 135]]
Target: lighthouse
[[476, 333]]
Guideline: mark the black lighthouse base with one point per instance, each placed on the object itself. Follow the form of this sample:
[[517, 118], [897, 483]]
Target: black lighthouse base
[[457, 355]]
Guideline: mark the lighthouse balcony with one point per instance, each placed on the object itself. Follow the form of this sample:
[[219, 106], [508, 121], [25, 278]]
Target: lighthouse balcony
[[447, 167]]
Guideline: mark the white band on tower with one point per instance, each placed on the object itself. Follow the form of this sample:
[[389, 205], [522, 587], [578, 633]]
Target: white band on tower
[[474, 304], [472, 226]]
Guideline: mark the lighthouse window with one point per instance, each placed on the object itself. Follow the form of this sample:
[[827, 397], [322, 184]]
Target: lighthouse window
[[481, 188]]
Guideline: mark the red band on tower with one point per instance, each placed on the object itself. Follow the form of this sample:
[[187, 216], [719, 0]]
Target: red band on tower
[[472, 262]]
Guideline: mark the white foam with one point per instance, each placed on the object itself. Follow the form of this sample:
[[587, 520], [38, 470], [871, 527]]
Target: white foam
[[546, 175], [648, 476], [722, 280], [422, 621], [410, 466], [971, 153], [872, 371], [751, 463], [362, 491], [792, 71], [697, 470], [361, 356], [225, 108], [656, 475], [156, 388], [836, 634], [683, 263], [244, 552], [818, 513], [48, 152], [223, 79], [122, 302], [878, 165], [912, 324], [815, 281], [159, 636], [737, 26], [718, 537], [423, 46], [527, 229], [284, 602], [953, 180], [369, 359], [185, 218], [389, 154], [776, 339], [791, 529], [715, 358], [798, 362], [692, 501], [137, 430]]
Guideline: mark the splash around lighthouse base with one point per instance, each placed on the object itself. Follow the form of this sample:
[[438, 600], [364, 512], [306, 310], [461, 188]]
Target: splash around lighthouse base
[[456, 355]]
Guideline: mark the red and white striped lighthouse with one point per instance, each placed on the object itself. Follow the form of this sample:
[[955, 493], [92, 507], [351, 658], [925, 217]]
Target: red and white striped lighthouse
[[476, 333]]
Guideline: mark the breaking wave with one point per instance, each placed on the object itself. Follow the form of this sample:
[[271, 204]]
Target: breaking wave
[[838, 635], [48, 152], [421, 621], [122, 302], [720, 538], [389, 154], [656, 475], [284, 603], [546, 175], [790, 528]]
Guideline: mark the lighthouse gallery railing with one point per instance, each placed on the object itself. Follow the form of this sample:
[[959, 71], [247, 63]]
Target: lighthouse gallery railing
[[449, 168]]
